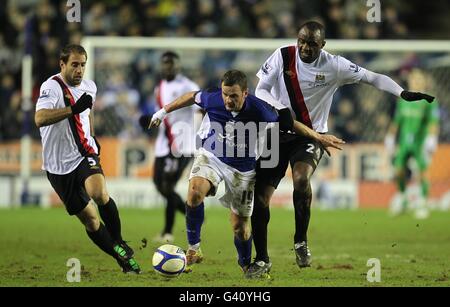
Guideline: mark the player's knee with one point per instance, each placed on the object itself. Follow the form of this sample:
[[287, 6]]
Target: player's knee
[[261, 201], [164, 189], [100, 197], [91, 223], [301, 183], [400, 175], [195, 197]]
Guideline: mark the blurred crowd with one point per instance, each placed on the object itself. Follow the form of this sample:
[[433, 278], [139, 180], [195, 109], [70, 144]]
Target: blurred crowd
[[126, 86]]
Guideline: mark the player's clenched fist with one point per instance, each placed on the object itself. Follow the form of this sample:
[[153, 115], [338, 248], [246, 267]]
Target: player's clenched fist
[[157, 118], [83, 103]]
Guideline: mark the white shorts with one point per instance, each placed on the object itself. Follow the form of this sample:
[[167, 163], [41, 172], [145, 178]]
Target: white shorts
[[239, 186]]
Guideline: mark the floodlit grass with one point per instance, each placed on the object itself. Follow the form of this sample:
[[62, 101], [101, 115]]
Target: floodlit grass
[[37, 243]]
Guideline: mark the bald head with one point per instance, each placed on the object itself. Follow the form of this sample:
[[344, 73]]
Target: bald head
[[310, 40]]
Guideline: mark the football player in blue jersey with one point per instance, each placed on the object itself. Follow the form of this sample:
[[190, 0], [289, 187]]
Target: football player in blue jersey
[[229, 135]]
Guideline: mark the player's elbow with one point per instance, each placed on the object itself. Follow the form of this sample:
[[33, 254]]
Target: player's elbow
[[38, 119]]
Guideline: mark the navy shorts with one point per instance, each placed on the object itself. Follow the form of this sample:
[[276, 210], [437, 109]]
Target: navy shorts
[[292, 148], [70, 187]]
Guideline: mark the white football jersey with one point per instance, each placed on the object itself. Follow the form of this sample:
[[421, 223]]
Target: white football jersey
[[177, 132], [307, 88], [65, 143]]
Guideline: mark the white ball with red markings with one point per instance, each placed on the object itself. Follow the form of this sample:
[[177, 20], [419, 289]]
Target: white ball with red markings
[[169, 260]]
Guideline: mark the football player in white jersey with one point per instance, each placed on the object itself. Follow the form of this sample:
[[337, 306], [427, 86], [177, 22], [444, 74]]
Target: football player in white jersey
[[303, 77], [175, 143], [70, 154]]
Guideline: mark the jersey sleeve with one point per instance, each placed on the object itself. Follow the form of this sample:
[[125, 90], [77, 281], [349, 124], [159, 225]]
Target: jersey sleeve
[[266, 112], [93, 89], [270, 70], [49, 95], [201, 99], [348, 72], [433, 112]]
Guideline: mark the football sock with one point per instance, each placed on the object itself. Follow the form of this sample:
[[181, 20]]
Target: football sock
[[194, 221], [425, 188], [401, 184], [102, 239], [302, 205], [179, 203], [244, 250], [174, 202], [110, 216], [260, 221]]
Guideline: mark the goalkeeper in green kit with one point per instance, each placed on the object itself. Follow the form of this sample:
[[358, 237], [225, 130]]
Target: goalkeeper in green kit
[[416, 126]]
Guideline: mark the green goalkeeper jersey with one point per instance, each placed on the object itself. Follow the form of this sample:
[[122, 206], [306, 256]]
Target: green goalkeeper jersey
[[413, 120]]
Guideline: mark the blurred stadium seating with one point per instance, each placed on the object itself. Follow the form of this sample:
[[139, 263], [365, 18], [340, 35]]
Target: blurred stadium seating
[[126, 78]]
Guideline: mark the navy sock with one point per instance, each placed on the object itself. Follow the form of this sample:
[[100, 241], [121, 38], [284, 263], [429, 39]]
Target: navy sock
[[244, 250], [194, 221]]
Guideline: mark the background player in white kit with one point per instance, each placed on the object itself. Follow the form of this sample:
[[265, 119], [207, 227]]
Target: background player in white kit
[[70, 154], [303, 77], [175, 143]]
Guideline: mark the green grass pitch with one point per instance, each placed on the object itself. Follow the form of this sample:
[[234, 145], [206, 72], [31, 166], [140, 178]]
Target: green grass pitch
[[37, 243]]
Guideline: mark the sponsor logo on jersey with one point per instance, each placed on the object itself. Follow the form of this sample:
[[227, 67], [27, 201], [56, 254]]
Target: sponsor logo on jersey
[[266, 68], [289, 73]]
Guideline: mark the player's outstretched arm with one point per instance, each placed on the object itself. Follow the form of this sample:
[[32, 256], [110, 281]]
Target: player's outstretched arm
[[185, 100], [46, 117], [327, 140], [384, 83]]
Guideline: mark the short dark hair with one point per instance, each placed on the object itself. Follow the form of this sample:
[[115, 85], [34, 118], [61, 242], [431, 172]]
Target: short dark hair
[[233, 77], [314, 26], [170, 54], [69, 49]]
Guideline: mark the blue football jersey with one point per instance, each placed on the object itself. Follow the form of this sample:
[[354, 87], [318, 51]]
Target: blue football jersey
[[232, 136]]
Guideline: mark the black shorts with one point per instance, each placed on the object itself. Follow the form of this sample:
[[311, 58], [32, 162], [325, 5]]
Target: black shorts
[[70, 187], [169, 169], [293, 148]]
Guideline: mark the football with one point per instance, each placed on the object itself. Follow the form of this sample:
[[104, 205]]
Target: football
[[169, 260]]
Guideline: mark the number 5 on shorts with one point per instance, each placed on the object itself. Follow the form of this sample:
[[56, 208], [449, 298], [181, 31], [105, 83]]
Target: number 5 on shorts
[[91, 161]]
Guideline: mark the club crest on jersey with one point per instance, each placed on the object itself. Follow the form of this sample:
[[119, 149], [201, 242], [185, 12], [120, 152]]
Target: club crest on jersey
[[320, 78], [45, 93]]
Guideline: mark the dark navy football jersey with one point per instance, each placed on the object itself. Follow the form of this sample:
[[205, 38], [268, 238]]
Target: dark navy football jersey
[[232, 136]]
